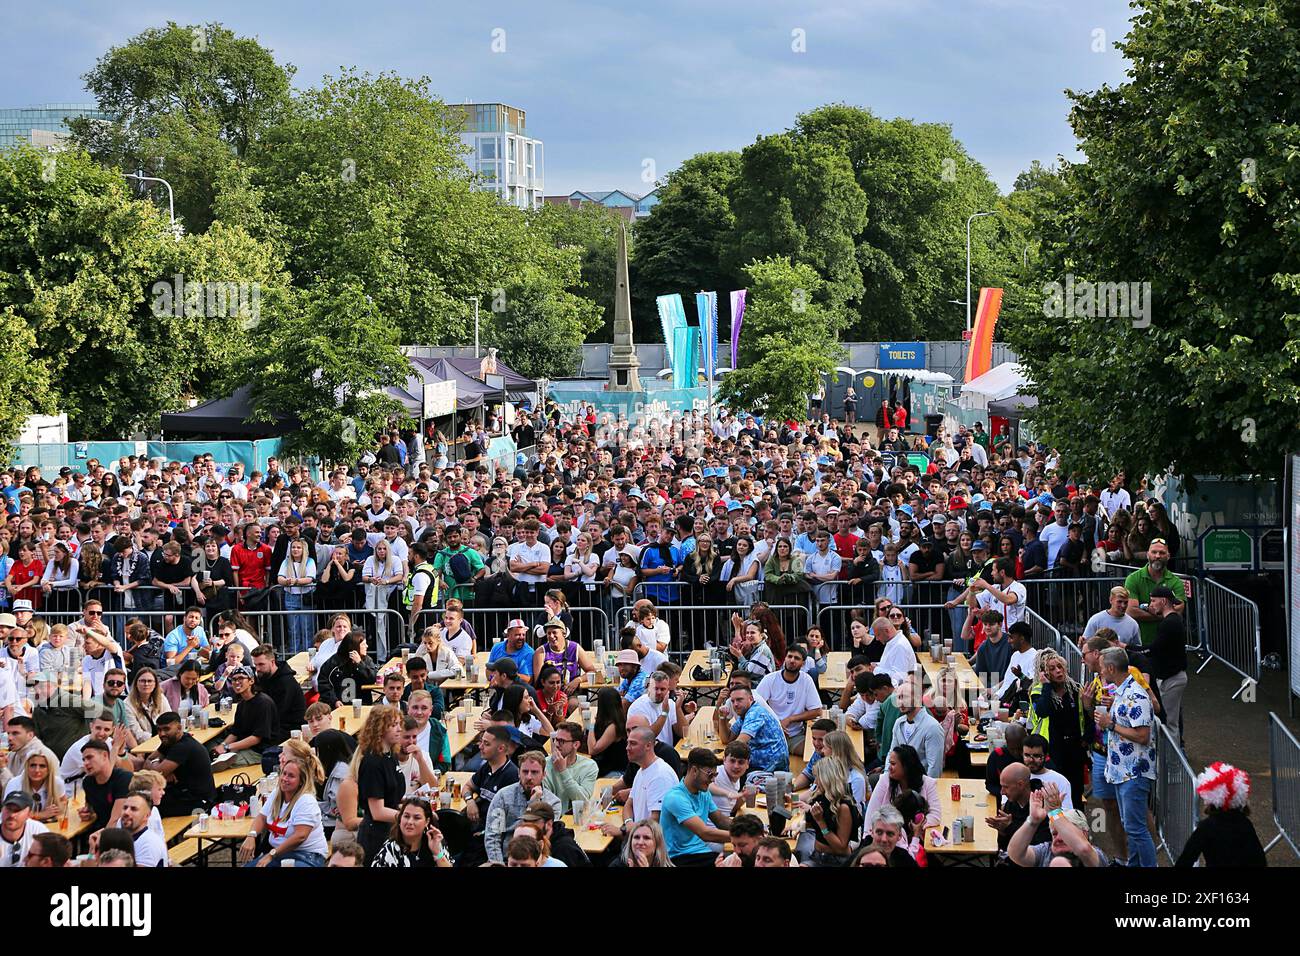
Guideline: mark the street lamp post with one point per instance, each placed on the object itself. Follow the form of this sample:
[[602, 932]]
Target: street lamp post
[[968, 224], [171, 199]]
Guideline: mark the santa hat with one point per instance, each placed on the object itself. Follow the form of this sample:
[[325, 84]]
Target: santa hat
[[1223, 786]]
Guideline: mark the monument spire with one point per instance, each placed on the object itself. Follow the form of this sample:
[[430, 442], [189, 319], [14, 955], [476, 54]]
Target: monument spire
[[623, 363]]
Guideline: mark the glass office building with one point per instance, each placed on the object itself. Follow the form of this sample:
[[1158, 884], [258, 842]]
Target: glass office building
[[44, 126]]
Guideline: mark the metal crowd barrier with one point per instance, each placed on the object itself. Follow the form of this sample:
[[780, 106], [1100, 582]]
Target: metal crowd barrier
[[835, 622], [1045, 635], [694, 626], [1069, 602], [384, 628], [1231, 631], [1284, 767], [489, 624], [1176, 806]]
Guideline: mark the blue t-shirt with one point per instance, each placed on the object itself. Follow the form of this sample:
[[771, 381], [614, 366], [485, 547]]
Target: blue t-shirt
[[523, 657], [630, 690], [768, 749], [679, 806], [174, 643]]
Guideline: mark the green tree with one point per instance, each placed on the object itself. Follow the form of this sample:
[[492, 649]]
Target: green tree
[[799, 199], [366, 175], [1190, 185], [788, 341], [188, 102], [680, 247], [24, 378], [540, 328], [920, 185], [326, 361], [593, 231], [88, 268]]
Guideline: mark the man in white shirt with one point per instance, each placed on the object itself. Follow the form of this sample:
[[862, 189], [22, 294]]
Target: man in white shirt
[[17, 829], [1036, 760], [654, 778], [1023, 658], [823, 567], [657, 709], [898, 659], [1055, 534], [101, 728], [1115, 497], [792, 696], [150, 850], [1005, 594], [529, 558]]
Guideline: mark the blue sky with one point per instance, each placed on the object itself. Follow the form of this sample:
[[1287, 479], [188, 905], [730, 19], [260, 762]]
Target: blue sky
[[610, 85]]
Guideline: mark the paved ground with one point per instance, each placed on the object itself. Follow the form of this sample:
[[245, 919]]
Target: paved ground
[[1222, 729]]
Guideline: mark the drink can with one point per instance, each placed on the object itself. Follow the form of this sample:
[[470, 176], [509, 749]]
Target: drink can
[[956, 792]]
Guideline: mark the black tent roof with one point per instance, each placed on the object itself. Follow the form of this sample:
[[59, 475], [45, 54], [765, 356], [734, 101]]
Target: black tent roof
[[225, 417]]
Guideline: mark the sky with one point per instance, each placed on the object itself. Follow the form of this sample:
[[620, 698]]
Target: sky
[[621, 92]]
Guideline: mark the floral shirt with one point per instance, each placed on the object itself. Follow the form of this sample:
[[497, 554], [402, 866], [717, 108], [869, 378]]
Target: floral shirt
[[1126, 759]]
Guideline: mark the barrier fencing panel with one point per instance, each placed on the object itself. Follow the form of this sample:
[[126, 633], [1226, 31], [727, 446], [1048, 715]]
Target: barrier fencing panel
[[1177, 807], [1231, 635], [1284, 764], [489, 624], [1069, 602], [695, 626]]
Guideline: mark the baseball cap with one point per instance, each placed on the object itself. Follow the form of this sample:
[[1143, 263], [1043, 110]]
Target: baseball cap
[[22, 604], [980, 545], [19, 800], [1163, 592], [504, 665], [240, 671], [555, 622]]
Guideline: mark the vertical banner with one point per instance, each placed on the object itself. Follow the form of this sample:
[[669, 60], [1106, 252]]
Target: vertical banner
[[706, 303], [979, 355], [672, 316], [685, 357], [737, 317]]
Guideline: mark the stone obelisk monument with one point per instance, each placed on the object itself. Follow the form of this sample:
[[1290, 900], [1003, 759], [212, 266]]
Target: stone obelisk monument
[[623, 363]]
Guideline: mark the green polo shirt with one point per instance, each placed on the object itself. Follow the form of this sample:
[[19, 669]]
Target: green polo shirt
[[1140, 584]]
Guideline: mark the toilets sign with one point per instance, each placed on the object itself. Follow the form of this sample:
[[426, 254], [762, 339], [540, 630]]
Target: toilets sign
[[901, 355]]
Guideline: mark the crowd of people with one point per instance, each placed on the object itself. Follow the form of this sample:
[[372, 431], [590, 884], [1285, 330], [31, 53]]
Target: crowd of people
[[137, 593]]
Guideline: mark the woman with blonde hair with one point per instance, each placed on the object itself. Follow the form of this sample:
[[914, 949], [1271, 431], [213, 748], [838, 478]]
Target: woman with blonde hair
[[644, 847], [300, 750], [380, 784], [145, 703], [832, 817], [40, 780], [840, 746], [292, 821]]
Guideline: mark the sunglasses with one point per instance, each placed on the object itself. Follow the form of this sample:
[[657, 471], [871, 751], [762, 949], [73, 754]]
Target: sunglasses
[[94, 614]]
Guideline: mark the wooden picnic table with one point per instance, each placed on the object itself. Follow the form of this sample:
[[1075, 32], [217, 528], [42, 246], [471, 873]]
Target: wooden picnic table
[[975, 802], [470, 682], [699, 659], [202, 735]]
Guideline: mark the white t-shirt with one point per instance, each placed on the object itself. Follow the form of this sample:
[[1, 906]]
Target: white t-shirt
[[723, 782], [1112, 501], [397, 548], [657, 637], [650, 663], [24, 842], [643, 706], [1011, 613], [650, 787], [898, 659], [72, 765], [1062, 784], [150, 850], [1026, 660], [786, 699], [538, 553], [305, 811], [1053, 537], [8, 692]]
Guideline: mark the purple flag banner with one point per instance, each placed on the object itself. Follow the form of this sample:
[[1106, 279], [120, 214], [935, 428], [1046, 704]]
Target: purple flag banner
[[737, 317]]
